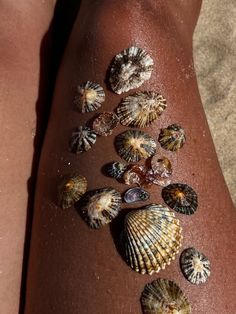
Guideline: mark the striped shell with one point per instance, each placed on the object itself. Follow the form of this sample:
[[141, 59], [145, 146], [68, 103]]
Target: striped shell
[[141, 109], [152, 238], [82, 140], [172, 138], [163, 296], [89, 97], [116, 169], [134, 195], [180, 197], [133, 145], [100, 206], [195, 266], [130, 69], [105, 123]]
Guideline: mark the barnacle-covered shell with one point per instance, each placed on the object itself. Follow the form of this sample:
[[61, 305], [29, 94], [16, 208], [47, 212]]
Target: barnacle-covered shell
[[195, 266], [130, 69], [180, 197], [105, 123], [152, 238], [72, 190], [134, 195], [141, 109], [163, 296], [89, 97], [172, 138], [133, 145], [116, 169], [82, 139], [99, 207]]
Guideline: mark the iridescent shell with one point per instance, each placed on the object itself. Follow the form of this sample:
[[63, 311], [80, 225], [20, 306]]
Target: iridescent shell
[[130, 69], [99, 207], [105, 123], [133, 145], [141, 109], [172, 138], [116, 169], [163, 296], [72, 190], [82, 140], [195, 266], [134, 174], [89, 97], [136, 195], [152, 238], [180, 197]]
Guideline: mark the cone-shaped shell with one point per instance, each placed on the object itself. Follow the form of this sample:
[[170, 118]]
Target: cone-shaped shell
[[82, 140], [116, 169], [172, 138], [163, 296], [152, 238], [141, 109]]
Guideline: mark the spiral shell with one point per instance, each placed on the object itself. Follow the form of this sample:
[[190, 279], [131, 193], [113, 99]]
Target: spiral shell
[[136, 195], [172, 138], [82, 140], [116, 169], [105, 123]]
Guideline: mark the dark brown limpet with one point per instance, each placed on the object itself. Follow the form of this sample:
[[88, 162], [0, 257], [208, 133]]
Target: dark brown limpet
[[105, 123], [172, 138]]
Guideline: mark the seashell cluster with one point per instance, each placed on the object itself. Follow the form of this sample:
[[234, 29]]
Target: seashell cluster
[[82, 140], [105, 123], [116, 169], [172, 138], [136, 195]]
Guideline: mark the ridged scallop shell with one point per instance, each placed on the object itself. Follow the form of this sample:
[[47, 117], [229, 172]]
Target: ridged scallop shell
[[133, 145], [82, 140], [116, 169], [180, 197], [72, 190], [195, 266], [152, 238], [163, 296], [99, 207], [130, 69], [105, 123], [134, 195], [172, 138], [89, 97], [141, 109]]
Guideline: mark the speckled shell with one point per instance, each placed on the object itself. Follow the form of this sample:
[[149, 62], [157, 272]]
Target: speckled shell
[[130, 69], [82, 140], [133, 145], [195, 266], [180, 197], [163, 296], [152, 238], [141, 109], [134, 195], [99, 207], [116, 169], [71, 190], [89, 97], [105, 123], [172, 138]]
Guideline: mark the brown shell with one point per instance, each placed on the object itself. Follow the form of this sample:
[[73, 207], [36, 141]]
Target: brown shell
[[172, 138], [105, 123]]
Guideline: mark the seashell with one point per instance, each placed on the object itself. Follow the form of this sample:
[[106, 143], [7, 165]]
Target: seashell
[[136, 195], [141, 109], [133, 145], [89, 97], [130, 69], [99, 207], [180, 197], [163, 296], [116, 169], [161, 166], [153, 178], [105, 123], [135, 174], [172, 138], [195, 266], [152, 238], [72, 190], [82, 140]]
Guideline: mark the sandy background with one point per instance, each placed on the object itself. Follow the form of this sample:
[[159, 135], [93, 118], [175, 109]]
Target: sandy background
[[215, 62]]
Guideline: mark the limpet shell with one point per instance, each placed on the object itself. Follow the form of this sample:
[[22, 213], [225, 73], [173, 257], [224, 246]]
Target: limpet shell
[[82, 140], [172, 138], [152, 238], [134, 195], [134, 174], [100, 206], [141, 109], [180, 197], [133, 145], [130, 69], [72, 190], [89, 97], [116, 169], [105, 123], [195, 266], [163, 296], [161, 166]]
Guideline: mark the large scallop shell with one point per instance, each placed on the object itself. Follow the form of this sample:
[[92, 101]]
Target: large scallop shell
[[195, 266], [180, 197], [89, 97], [133, 145], [163, 296], [99, 207], [141, 109], [82, 139], [130, 69], [152, 238], [172, 138], [104, 123]]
